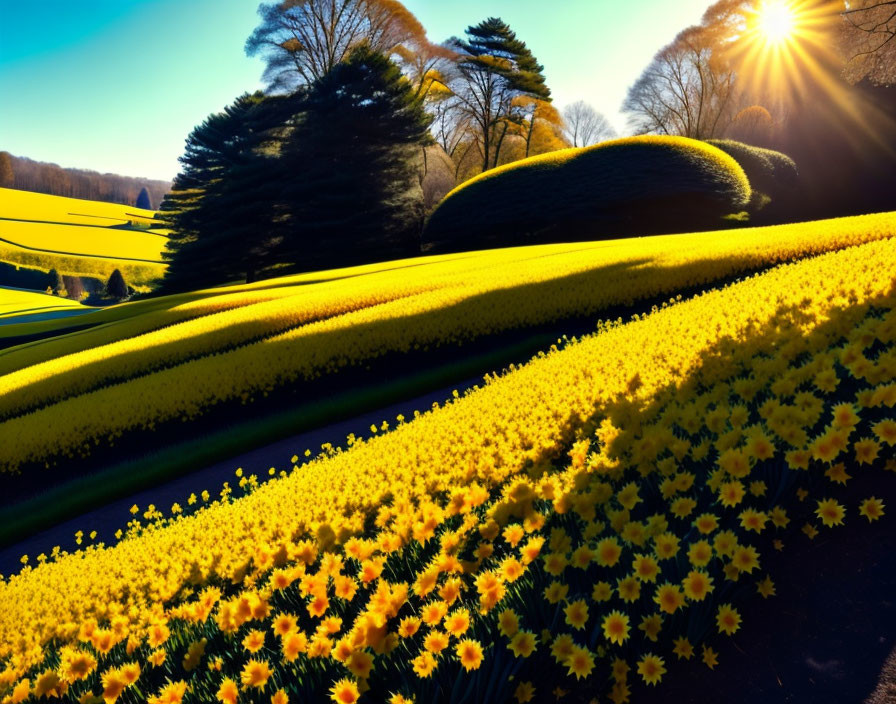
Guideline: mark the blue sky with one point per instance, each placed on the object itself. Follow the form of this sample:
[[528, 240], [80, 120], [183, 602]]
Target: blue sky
[[116, 85]]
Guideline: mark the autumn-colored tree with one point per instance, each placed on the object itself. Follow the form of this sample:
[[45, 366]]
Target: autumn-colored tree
[[7, 177], [687, 90], [584, 126], [301, 41], [540, 125], [869, 40], [494, 69], [753, 125]]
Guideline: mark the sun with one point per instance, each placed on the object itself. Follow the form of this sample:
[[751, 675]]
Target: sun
[[777, 21]]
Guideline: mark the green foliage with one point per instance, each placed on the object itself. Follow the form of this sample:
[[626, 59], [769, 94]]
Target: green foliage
[[638, 185], [350, 173]]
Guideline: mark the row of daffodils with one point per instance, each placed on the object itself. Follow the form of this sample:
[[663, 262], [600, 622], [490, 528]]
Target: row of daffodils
[[593, 516], [68, 405]]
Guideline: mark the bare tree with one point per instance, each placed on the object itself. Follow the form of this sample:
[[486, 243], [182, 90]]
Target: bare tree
[[869, 40], [686, 90], [302, 40], [584, 126]]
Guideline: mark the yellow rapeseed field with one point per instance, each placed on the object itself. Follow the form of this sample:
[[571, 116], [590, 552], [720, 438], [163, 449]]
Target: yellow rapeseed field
[[182, 370], [558, 520], [15, 302], [79, 237]]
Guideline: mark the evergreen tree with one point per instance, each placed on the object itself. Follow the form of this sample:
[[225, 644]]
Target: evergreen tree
[[496, 69], [116, 287], [223, 205], [143, 200], [351, 188]]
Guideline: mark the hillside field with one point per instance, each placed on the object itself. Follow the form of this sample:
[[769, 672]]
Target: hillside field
[[599, 513], [80, 237]]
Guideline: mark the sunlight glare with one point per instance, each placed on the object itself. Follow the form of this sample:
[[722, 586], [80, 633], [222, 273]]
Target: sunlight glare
[[777, 21]]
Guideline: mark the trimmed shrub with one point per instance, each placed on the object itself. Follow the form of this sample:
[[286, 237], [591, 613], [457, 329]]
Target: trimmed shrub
[[637, 185], [772, 175]]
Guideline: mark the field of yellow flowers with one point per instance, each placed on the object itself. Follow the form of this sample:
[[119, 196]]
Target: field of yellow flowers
[[593, 516], [79, 237], [123, 379]]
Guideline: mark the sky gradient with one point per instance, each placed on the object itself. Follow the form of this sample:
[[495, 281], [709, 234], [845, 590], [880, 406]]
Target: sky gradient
[[116, 85]]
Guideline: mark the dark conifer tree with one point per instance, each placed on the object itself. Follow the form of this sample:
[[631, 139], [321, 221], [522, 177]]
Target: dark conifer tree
[[116, 287], [223, 206], [350, 183], [143, 200]]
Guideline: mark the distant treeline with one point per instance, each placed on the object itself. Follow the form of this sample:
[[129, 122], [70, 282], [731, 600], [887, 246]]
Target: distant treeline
[[29, 175]]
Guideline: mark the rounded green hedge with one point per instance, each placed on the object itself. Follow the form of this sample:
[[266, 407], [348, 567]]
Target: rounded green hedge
[[770, 173], [631, 186]]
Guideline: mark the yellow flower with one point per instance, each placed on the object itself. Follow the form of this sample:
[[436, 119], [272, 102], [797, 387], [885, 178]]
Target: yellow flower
[[629, 589], [766, 587], [830, 513], [727, 619], [710, 657], [458, 622], [344, 692], [616, 627], [608, 552], [651, 626], [697, 585], [469, 652], [508, 622], [227, 692], [872, 509], [731, 493], [423, 664], [525, 691], [254, 641], [360, 664], [683, 649], [745, 558], [580, 662], [669, 598], [255, 673], [706, 523], [651, 668], [603, 591], [576, 614], [436, 641], [280, 697], [522, 645], [666, 546], [866, 450], [646, 568], [753, 520]]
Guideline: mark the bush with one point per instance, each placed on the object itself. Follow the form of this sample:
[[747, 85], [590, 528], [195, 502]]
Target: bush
[[636, 185], [773, 175], [116, 287]]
